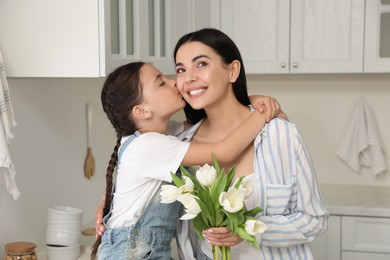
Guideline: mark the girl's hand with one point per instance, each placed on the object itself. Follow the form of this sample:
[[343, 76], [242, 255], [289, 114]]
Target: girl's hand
[[99, 227], [268, 105], [221, 236]]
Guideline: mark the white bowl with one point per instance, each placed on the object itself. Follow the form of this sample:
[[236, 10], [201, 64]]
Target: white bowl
[[71, 225], [64, 213], [58, 237], [62, 252]]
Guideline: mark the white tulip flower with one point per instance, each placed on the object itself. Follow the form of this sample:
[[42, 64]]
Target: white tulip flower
[[188, 186], [206, 175], [169, 193], [192, 208], [254, 227], [232, 200], [247, 188]]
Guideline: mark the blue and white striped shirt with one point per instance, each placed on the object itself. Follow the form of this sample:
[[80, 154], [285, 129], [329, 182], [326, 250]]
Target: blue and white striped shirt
[[286, 188]]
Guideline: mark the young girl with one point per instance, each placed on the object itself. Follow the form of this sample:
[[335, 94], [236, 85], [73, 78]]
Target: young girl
[[139, 102]]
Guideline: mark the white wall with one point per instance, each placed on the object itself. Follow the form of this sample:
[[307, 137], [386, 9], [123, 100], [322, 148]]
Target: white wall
[[48, 151], [50, 140], [321, 105]]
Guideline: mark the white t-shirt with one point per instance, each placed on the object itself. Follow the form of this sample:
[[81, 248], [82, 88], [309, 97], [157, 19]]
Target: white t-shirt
[[145, 163]]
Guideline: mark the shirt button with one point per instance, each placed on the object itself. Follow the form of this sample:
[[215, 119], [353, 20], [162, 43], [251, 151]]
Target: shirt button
[[135, 232], [133, 245]]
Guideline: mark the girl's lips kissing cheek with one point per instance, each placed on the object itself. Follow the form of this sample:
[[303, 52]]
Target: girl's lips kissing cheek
[[196, 92]]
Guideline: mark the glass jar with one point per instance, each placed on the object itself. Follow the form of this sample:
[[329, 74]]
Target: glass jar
[[20, 251]]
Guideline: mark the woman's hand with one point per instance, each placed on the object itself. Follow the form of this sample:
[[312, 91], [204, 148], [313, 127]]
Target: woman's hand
[[99, 227], [268, 105], [221, 236]]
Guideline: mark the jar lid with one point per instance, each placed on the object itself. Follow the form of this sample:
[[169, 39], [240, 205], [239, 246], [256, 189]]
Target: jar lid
[[20, 247]]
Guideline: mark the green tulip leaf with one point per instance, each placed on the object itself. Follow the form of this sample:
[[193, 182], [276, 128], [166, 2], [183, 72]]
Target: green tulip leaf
[[177, 180], [230, 176], [253, 212], [215, 163], [239, 182], [199, 225], [208, 218], [248, 238], [233, 221]]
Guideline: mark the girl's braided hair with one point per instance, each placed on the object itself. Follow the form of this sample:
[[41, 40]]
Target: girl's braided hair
[[121, 92]]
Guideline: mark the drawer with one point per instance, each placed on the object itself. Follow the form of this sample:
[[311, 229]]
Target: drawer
[[365, 234], [364, 256]]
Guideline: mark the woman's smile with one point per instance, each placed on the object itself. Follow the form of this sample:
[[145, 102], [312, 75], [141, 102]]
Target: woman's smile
[[193, 93]]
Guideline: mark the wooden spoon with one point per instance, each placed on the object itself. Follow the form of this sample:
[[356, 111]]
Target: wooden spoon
[[89, 164]]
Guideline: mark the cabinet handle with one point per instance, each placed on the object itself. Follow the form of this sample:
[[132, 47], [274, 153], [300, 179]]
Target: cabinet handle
[[295, 65], [283, 65]]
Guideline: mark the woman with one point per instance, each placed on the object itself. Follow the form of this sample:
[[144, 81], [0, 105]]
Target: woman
[[139, 101], [278, 161]]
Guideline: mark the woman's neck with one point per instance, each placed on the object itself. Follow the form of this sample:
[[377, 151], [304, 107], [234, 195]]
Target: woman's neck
[[221, 119]]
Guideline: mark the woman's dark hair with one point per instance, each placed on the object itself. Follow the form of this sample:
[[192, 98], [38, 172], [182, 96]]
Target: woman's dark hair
[[227, 49], [121, 92]]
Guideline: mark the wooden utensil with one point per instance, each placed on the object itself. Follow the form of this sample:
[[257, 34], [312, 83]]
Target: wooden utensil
[[89, 164], [91, 231]]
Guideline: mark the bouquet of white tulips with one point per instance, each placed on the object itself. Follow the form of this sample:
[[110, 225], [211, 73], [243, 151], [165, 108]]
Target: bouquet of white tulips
[[211, 201]]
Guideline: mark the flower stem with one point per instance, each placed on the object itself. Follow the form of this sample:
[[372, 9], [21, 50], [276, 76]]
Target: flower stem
[[224, 253], [216, 252]]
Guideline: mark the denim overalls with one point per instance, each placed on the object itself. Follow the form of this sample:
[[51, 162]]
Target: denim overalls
[[149, 237]]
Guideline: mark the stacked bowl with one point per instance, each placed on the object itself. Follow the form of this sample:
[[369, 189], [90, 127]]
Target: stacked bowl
[[63, 233]]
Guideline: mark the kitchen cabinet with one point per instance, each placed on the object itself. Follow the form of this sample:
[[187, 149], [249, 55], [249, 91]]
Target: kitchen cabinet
[[353, 238], [358, 226], [168, 20], [365, 235], [328, 245], [300, 36], [148, 30], [52, 38], [46, 38], [377, 36]]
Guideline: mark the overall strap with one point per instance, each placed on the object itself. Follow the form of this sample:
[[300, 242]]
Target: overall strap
[[126, 143], [122, 148]]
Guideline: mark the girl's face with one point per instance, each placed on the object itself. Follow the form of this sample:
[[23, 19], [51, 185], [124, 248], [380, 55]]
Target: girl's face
[[159, 92], [202, 77]]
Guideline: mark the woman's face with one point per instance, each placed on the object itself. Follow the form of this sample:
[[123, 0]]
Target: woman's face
[[202, 77], [159, 92]]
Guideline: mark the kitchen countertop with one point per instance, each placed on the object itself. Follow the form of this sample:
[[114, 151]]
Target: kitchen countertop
[[352, 200], [86, 249], [85, 253]]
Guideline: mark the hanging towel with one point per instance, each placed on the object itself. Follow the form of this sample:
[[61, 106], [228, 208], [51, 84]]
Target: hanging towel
[[362, 144], [6, 165]]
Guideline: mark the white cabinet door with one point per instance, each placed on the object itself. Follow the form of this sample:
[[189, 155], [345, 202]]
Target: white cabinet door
[[148, 30], [366, 234], [377, 36], [50, 38], [172, 19], [364, 256], [328, 245], [300, 36], [327, 36], [260, 28], [122, 33]]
